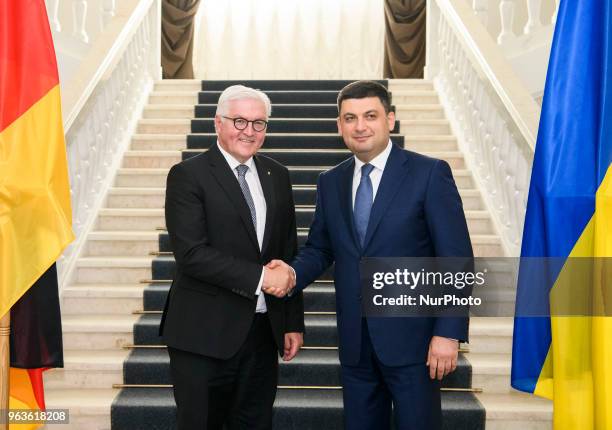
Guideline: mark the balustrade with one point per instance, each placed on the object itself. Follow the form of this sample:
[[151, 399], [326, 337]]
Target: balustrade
[[100, 123], [526, 15], [492, 114]]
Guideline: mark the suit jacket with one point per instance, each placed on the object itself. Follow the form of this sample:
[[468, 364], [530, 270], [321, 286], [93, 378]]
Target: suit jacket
[[417, 212], [212, 301]]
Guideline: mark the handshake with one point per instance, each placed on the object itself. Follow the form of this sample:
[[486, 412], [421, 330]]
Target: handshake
[[279, 278]]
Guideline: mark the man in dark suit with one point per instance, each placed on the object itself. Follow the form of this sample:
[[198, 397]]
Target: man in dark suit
[[384, 202], [228, 213]]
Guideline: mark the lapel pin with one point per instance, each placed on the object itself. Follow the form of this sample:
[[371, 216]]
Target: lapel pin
[[268, 172]]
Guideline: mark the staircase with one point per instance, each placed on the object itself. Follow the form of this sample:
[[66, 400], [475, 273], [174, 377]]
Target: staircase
[[117, 371]]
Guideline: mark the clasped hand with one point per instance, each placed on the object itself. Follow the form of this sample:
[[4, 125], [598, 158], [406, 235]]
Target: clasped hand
[[279, 278]]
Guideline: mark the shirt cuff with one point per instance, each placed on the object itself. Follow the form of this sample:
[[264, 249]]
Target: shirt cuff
[[261, 278], [290, 294]]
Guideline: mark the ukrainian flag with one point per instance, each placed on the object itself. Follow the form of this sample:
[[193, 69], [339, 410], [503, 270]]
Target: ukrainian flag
[[569, 214]]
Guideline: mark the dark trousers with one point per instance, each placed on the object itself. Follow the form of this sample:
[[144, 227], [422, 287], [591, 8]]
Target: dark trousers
[[371, 390], [237, 393]]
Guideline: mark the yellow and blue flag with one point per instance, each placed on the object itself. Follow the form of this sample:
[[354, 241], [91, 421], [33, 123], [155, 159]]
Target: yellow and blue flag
[[569, 215]]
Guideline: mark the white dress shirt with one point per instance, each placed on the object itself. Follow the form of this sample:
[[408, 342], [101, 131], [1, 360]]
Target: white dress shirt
[[379, 162], [252, 179]]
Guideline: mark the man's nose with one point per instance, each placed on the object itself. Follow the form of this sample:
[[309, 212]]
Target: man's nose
[[249, 130], [361, 124]]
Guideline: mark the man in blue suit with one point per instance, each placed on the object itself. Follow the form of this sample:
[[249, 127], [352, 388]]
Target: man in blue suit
[[385, 202]]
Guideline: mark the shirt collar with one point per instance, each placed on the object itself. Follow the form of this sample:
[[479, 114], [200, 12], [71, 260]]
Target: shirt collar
[[233, 163], [379, 162]]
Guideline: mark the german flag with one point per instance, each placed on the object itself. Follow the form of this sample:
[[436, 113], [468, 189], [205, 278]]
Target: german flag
[[35, 212]]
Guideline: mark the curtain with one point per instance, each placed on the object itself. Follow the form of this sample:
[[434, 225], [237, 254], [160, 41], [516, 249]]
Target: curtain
[[404, 38], [177, 38], [290, 39]]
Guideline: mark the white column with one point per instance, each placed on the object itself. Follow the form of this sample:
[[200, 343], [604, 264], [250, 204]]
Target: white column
[[554, 17], [79, 20], [506, 11], [533, 16], [54, 15], [108, 11], [481, 9]]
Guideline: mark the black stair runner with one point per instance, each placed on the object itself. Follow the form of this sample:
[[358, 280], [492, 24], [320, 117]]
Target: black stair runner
[[308, 396]]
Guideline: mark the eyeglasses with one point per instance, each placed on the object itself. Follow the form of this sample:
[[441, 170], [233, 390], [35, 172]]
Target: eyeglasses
[[241, 123]]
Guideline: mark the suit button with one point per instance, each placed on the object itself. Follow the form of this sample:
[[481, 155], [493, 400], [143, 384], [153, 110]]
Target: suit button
[[359, 297]]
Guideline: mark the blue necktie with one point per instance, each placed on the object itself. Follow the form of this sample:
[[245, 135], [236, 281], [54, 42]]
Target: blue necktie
[[242, 169], [363, 202]]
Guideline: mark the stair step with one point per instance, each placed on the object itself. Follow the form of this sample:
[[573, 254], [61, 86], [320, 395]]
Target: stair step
[[168, 126], [293, 126], [419, 111], [318, 297], [295, 409], [320, 330], [87, 369], [283, 84], [275, 125], [151, 366], [410, 85], [483, 245], [156, 177], [418, 127], [318, 97], [319, 157], [402, 97], [182, 111], [107, 269], [150, 198], [154, 159], [178, 85], [141, 177], [279, 110], [491, 335], [122, 243], [147, 219], [177, 142], [111, 299], [516, 411], [97, 332], [281, 96], [491, 372], [284, 141], [430, 143], [89, 408], [173, 97]]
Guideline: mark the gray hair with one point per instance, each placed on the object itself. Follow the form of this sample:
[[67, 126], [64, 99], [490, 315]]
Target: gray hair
[[240, 92]]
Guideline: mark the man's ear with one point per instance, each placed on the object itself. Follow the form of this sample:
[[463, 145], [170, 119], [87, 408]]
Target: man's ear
[[218, 120], [391, 120]]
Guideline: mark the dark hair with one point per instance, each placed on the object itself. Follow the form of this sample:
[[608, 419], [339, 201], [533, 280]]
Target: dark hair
[[363, 89]]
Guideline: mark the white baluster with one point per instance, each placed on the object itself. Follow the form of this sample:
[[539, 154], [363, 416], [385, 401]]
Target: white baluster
[[54, 12], [108, 11], [498, 157], [481, 9], [554, 17], [97, 137], [506, 11], [79, 20], [533, 11]]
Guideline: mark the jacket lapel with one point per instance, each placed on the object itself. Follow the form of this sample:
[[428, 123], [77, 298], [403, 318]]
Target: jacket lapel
[[229, 183], [391, 181], [267, 185], [345, 192]]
